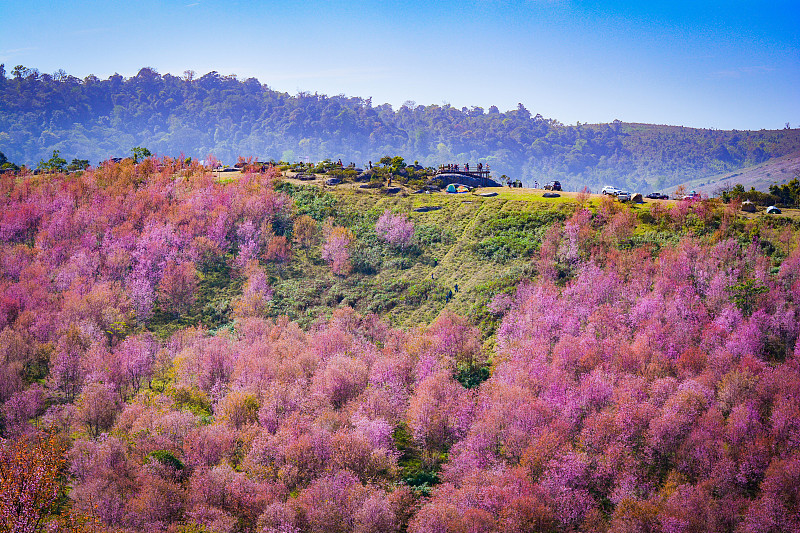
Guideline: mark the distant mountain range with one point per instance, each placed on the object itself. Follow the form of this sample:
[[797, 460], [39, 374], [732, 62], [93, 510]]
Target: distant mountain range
[[221, 115]]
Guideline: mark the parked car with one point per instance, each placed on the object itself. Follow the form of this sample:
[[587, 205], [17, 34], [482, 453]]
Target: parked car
[[623, 196], [333, 181], [610, 189], [552, 186], [657, 196]]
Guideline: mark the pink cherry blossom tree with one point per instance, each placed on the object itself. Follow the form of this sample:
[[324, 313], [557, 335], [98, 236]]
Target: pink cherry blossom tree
[[397, 230]]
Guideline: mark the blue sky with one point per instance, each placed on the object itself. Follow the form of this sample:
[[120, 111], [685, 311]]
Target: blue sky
[[725, 65]]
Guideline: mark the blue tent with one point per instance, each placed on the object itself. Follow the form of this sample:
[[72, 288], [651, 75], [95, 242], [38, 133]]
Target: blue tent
[[456, 188]]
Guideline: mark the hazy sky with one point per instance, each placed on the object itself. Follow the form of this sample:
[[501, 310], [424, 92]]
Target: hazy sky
[[731, 64]]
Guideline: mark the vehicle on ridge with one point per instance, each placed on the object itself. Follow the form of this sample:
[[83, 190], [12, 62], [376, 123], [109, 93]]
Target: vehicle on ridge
[[623, 196], [693, 195], [657, 196]]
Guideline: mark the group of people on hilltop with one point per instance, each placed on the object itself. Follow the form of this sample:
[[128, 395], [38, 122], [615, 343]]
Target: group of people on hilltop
[[455, 167]]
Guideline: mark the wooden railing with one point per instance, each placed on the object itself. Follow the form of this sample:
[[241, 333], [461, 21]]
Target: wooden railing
[[475, 172]]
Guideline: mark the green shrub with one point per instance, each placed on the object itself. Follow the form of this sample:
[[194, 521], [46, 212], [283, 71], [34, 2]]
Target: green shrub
[[511, 245], [294, 297], [165, 458], [414, 470], [646, 217], [428, 234], [511, 235], [367, 257], [472, 376], [190, 399], [521, 221], [416, 183], [310, 200], [424, 290], [399, 263]]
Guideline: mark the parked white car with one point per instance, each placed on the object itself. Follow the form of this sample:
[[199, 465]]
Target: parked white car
[[610, 189], [623, 196]]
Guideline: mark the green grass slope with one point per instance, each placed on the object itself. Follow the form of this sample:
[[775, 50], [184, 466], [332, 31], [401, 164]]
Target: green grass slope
[[482, 245]]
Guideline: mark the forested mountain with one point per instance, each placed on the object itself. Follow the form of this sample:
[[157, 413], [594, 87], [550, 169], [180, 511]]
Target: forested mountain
[[222, 115]]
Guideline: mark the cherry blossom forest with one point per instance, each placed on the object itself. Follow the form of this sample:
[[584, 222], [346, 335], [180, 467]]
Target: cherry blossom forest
[[625, 385]]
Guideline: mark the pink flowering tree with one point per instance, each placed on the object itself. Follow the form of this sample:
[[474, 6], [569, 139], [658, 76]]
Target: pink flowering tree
[[279, 250], [249, 240], [142, 295], [336, 250], [176, 290], [256, 295], [136, 356], [439, 411], [31, 475], [20, 408], [397, 230], [97, 406]]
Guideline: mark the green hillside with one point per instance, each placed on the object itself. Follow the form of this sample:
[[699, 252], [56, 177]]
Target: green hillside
[[485, 246], [454, 245]]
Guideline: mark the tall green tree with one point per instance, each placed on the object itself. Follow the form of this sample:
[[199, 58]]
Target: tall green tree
[[745, 295], [56, 163], [140, 154]]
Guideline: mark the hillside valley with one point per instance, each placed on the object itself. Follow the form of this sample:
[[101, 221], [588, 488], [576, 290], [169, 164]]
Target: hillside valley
[[760, 176], [185, 350]]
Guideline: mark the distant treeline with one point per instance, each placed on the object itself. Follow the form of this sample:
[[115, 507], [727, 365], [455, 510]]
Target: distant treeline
[[784, 195], [227, 117]]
